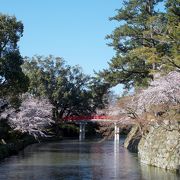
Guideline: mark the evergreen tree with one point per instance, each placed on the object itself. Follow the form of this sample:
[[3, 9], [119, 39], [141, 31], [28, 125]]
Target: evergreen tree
[[170, 40], [68, 89], [13, 82], [143, 42]]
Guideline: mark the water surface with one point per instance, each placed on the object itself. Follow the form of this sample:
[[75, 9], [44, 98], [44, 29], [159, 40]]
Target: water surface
[[74, 160]]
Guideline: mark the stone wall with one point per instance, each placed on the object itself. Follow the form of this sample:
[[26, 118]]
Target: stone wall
[[161, 146], [132, 140]]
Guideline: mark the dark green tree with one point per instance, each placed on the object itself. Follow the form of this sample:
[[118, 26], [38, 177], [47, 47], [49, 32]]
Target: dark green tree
[[169, 47], [13, 81], [69, 90], [142, 42], [99, 92]]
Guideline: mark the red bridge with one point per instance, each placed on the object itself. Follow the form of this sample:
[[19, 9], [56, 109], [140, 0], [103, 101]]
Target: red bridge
[[88, 118], [96, 118]]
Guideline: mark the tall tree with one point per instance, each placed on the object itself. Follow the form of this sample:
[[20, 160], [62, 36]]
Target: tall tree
[[13, 82], [170, 40], [69, 90], [99, 92], [139, 42]]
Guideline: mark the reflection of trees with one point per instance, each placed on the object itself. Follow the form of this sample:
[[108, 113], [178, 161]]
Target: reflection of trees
[[74, 160], [96, 156], [116, 158], [149, 172], [112, 162]]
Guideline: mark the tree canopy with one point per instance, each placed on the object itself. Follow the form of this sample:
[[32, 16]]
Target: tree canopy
[[13, 82], [33, 118], [68, 89], [146, 41]]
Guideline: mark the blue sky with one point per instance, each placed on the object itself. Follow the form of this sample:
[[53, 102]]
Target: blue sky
[[72, 29]]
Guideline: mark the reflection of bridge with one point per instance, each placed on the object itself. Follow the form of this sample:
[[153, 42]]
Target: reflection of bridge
[[82, 120]]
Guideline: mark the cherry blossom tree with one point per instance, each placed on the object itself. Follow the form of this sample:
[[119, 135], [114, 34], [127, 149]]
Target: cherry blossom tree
[[160, 101], [33, 116], [162, 91]]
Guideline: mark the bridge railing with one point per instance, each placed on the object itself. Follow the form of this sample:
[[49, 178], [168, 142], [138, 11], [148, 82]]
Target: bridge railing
[[80, 118]]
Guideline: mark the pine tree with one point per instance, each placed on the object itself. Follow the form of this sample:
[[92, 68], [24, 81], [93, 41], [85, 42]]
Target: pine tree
[[139, 42]]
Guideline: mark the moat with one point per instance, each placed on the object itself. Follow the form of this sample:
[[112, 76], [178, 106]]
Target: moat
[[74, 160]]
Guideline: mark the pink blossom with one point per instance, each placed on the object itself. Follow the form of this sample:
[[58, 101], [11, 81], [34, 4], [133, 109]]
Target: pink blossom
[[33, 116], [164, 90]]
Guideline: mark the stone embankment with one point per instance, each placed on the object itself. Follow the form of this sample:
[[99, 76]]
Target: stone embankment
[[132, 140], [160, 147]]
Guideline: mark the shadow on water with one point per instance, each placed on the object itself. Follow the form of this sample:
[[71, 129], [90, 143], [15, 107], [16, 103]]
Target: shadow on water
[[71, 160]]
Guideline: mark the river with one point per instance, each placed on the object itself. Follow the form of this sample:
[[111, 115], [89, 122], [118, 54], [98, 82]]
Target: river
[[74, 160]]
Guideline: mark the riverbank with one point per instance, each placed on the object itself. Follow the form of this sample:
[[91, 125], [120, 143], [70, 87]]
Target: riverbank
[[12, 148], [159, 146]]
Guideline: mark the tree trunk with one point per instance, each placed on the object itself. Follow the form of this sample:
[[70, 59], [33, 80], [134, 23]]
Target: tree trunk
[[56, 120]]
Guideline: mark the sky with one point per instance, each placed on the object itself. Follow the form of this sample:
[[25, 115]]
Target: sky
[[72, 29]]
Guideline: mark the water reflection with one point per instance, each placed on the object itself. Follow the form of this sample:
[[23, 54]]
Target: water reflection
[[73, 160], [149, 172], [116, 159]]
